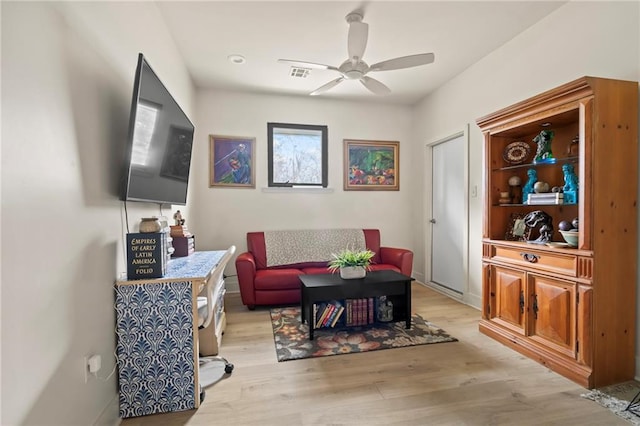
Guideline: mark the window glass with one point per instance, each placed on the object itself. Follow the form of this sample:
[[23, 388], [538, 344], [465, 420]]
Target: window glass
[[297, 154]]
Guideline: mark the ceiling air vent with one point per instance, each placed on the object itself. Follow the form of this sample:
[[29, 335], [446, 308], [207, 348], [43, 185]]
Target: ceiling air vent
[[299, 72]]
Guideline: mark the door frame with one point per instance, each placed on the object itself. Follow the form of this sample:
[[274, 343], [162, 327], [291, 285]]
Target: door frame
[[428, 214]]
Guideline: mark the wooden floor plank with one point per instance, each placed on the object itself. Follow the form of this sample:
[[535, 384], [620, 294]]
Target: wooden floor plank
[[475, 381]]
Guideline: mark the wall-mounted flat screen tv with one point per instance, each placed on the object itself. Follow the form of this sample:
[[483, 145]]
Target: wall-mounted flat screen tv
[[159, 145]]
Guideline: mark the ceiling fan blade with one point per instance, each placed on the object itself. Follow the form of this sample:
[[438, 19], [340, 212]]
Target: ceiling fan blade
[[327, 86], [375, 86], [403, 62], [304, 64], [357, 41]]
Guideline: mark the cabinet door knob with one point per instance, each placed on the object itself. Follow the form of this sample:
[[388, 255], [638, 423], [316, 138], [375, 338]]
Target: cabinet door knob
[[432, 221], [530, 257]]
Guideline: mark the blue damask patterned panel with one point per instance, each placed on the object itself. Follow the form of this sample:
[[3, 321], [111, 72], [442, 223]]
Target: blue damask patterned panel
[[155, 347]]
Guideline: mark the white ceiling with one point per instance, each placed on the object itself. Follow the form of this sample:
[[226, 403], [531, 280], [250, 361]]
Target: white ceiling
[[458, 33]]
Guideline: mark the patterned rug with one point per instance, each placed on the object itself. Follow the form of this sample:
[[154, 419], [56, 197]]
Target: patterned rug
[[616, 398], [292, 338]]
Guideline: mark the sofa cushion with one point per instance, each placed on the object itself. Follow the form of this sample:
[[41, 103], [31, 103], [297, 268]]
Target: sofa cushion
[[316, 270], [277, 279], [383, 267]]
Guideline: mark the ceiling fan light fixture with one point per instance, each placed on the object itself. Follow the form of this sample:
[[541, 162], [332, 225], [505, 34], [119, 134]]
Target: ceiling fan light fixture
[[237, 59], [353, 75]]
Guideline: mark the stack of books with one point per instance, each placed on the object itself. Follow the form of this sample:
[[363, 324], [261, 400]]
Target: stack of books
[[166, 229], [183, 241], [184, 246], [545, 198], [360, 311], [327, 314]]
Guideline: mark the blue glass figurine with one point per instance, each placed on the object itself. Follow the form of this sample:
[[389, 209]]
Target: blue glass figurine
[[543, 152], [528, 187], [570, 187]]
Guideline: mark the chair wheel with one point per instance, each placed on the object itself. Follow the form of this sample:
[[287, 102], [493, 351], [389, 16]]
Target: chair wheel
[[228, 368]]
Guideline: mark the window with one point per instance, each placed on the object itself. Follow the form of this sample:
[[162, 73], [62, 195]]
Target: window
[[297, 155]]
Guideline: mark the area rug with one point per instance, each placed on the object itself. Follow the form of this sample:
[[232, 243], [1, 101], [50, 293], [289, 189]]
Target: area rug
[[616, 398], [292, 338]]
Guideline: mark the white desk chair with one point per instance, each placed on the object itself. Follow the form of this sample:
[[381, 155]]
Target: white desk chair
[[212, 368]]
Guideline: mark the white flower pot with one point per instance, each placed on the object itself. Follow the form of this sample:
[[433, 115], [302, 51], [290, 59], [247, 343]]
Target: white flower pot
[[352, 272]]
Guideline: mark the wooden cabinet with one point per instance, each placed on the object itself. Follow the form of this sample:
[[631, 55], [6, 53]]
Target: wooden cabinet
[[507, 298], [569, 308]]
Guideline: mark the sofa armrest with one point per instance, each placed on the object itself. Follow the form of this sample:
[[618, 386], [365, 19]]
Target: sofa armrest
[[400, 258], [246, 269]]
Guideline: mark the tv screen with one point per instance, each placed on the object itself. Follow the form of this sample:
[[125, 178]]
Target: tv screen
[[158, 153]]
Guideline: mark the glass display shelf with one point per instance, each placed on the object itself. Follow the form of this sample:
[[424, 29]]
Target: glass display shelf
[[559, 161], [533, 205]]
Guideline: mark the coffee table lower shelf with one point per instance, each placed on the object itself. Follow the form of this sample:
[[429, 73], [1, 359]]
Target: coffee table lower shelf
[[326, 287]]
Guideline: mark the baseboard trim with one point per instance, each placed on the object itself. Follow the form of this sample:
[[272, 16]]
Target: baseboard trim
[[110, 416], [469, 300]]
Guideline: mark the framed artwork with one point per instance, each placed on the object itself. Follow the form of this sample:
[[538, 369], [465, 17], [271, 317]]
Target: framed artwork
[[516, 229], [177, 155], [371, 165], [232, 161]]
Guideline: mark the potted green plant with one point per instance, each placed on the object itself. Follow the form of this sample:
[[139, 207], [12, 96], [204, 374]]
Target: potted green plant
[[351, 263]]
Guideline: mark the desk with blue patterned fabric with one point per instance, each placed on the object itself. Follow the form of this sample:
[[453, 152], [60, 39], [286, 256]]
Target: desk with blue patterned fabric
[[156, 330]]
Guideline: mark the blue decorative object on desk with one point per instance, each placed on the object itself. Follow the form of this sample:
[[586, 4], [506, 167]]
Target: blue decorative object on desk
[[570, 187], [543, 152], [528, 187]]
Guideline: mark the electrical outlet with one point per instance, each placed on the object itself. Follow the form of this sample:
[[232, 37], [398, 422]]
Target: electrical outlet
[[92, 364], [95, 364]]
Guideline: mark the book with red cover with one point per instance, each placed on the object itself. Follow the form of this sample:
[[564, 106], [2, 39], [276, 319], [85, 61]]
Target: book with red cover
[[330, 309]]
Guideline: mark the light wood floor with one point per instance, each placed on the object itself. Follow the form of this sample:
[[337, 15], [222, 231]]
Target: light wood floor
[[475, 381]]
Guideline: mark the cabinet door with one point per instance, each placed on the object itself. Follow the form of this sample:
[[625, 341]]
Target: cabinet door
[[553, 313], [507, 297]]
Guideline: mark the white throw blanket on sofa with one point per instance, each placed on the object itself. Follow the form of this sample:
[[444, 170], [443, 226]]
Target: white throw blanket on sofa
[[313, 245]]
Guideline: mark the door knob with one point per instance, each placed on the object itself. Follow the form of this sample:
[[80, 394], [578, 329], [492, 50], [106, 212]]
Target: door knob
[[432, 221]]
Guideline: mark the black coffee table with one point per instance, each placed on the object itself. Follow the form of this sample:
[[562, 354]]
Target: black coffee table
[[325, 287]]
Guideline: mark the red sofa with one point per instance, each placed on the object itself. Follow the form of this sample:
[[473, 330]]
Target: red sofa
[[280, 285]]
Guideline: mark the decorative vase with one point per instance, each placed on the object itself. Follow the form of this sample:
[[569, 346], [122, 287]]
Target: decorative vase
[[150, 224], [385, 309], [352, 272]]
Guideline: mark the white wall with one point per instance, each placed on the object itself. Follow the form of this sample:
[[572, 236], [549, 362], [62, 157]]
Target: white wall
[[599, 39], [67, 79], [222, 216]]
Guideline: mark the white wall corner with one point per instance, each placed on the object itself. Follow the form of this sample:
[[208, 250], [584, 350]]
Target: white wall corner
[[110, 416]]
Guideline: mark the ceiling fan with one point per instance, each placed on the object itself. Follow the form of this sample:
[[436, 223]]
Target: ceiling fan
[[355, 68]]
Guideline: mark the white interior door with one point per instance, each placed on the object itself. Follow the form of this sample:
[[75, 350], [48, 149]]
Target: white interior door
[[449, 214]]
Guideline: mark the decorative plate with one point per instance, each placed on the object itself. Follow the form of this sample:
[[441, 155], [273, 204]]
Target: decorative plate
[[516, 152]]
